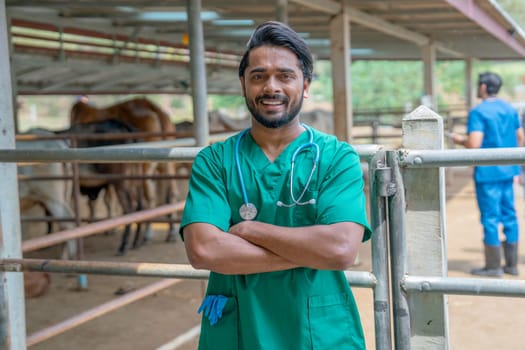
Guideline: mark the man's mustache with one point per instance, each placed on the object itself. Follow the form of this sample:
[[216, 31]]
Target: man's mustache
[[277, 97]]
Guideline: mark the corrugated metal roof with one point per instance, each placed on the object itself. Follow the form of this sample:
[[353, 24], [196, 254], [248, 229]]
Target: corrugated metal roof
[[117, 46]]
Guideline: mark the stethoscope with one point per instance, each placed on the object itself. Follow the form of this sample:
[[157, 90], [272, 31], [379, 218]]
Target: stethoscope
[[248, 211]]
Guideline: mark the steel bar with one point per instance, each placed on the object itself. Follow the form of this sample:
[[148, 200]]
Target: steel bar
[[95, 136], [198, 72], [12, 309], [464, 286], [398, 256], [366, 152], [100, 155], [104, 268], [380, 266], [105, 177], [84, 219], [98, 227], [461, 157], [355, 278], [111, 154], [361, 279], [98, 311]]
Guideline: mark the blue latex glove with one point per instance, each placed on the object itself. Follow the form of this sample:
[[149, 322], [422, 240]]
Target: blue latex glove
[[212, 305]]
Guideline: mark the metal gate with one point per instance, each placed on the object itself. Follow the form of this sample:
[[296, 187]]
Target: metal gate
[[409, 264]]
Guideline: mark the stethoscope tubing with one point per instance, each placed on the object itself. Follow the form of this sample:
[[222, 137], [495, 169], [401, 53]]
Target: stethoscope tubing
[[238, 164], [299, 149]]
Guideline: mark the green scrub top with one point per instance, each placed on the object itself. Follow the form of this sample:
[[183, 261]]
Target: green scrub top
[[300, 308]]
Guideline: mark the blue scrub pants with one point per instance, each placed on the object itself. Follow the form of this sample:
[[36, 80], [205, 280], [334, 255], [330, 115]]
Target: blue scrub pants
[[496, 205]]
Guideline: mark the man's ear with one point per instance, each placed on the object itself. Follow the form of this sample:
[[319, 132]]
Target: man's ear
[[306, 87]]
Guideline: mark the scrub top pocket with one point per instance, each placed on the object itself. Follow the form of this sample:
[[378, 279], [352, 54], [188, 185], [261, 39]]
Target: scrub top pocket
[[331, 323], [306, 212], [224, 335]]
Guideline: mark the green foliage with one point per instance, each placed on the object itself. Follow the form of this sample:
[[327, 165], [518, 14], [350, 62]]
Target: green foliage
[[515, 9], [385, 84], [394, 84], [231, 103], [321, 86], [511, 73], [177, 102]]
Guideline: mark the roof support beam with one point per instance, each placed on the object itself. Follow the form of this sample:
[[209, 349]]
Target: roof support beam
[[471, 10], [326, 6], [470, 89], [380, 25], [429, 78], [366, 20], [281, 11], [341, 79]]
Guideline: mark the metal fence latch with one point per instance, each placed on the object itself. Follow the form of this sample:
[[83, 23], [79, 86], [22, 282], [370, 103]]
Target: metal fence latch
[[383, 178]]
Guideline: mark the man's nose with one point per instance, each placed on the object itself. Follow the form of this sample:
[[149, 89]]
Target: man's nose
[[272, 85]]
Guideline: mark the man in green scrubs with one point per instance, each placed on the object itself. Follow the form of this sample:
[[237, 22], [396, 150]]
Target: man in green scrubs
[[277, 213]]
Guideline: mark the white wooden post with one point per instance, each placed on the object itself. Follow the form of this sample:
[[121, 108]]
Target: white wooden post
[[425, 230]]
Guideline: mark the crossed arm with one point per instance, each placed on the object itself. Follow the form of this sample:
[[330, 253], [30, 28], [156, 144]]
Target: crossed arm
[[253, 247]]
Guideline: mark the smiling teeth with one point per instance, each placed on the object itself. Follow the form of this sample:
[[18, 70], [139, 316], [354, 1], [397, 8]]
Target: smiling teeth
[[272, 102]]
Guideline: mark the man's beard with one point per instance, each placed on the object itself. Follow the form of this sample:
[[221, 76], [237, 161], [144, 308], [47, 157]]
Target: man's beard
[[274, 123]]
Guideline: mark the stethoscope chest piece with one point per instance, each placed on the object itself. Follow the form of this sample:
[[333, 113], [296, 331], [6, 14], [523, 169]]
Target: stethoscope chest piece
[[248, 211]]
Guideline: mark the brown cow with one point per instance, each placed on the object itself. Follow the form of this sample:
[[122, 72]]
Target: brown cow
[[128, 193], [145, 116]]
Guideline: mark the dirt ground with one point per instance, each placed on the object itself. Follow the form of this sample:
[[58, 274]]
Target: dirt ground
[[170, 317]]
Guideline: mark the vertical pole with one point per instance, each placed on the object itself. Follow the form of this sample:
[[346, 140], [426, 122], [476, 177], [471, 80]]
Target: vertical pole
[[12, 308], [380, 256], [341, 80], [198, 72], [282, 11], [79, 245], [429, 80], [398, 254], [14, 83], [425, 230], [470, 89]]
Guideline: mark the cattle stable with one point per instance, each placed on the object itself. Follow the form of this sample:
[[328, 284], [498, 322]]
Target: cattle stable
[[133, 186], [130, 58]]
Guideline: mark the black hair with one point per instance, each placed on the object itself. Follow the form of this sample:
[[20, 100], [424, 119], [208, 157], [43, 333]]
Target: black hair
[[274, 33], [492, 81]]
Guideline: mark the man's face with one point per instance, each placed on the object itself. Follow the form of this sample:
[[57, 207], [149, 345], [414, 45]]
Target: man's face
[[482, 91], [273, 86]]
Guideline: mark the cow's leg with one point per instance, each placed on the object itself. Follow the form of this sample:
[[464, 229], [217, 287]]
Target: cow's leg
[[139, 236], [58, 209], [92, 208], [168, 191], [125, 201], [109, 192], [123, 248], [148, 198], [49, 223]]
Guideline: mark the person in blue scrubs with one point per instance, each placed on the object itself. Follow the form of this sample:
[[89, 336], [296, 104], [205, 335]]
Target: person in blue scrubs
[[277, 213], [491, 124]]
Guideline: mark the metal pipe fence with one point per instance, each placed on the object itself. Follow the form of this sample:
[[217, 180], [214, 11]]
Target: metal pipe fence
[[464, 286], [362, 279], [388, 205], [97, 227]]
